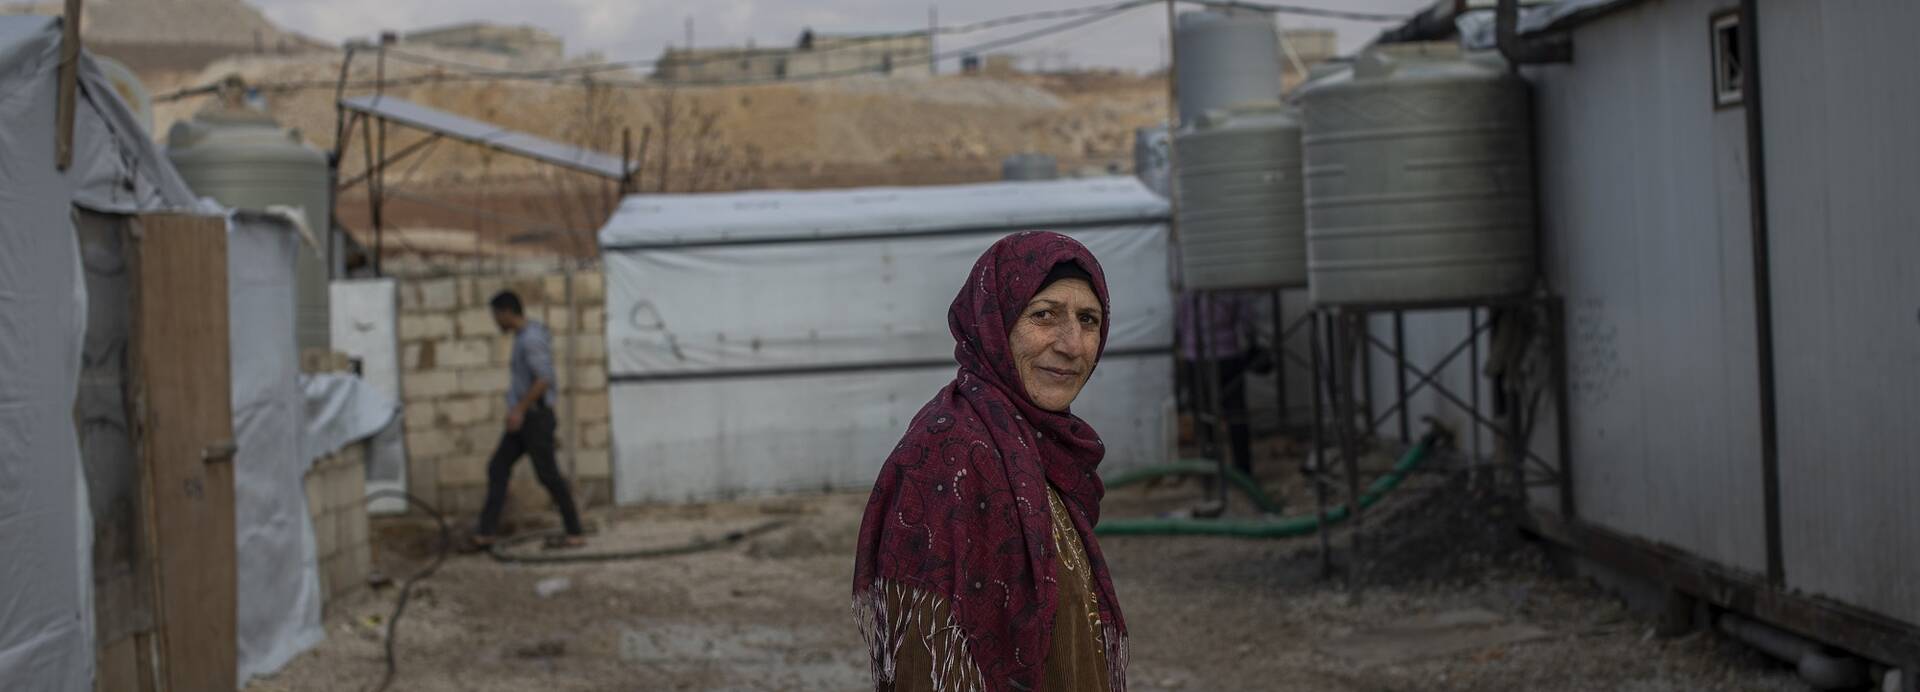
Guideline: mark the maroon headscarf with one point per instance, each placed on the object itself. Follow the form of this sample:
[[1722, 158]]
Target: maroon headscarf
[[960, 508]]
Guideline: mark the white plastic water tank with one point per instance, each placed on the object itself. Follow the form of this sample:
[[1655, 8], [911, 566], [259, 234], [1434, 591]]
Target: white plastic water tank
[[244, 159], [1242, 214], [1224, 57], [1419, 179]]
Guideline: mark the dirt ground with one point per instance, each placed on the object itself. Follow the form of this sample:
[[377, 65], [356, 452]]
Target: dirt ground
[[1455, 600]]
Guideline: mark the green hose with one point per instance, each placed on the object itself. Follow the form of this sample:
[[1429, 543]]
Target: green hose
[[1197, 467], [1270, 528]]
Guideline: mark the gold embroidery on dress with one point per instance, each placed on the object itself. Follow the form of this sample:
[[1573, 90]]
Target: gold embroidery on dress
[[1073, 558]]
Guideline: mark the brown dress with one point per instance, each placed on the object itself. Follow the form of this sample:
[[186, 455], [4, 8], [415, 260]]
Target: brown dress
[[932, 656]]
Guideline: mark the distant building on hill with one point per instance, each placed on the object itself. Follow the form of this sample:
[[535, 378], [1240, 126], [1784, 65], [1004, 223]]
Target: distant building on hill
[[522, 44], [813, 55]]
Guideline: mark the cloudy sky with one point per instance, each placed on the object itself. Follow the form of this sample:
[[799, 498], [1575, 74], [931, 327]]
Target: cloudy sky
[[633, 29]]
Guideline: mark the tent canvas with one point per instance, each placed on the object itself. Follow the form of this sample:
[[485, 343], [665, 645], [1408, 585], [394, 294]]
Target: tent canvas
[[780, 341], [46, 636]]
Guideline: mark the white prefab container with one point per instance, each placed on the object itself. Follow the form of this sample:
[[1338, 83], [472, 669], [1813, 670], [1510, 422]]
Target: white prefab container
[[1226, 57], [1419, 179], [770, 342], [242, 158], [1242, 209]]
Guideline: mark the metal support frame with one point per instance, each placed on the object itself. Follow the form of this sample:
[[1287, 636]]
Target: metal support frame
[[1350, 344]]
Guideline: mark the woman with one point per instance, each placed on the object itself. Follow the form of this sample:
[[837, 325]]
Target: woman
[[977, 568]]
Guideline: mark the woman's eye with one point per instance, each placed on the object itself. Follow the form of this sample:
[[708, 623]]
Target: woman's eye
[[1090, 320], [1043, 315]]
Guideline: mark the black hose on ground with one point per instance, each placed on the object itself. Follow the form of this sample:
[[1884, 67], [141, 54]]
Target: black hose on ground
[[406, 587], [499, 548]]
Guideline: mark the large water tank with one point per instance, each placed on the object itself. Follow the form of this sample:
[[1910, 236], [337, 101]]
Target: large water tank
[[1224, 57], [244, 159], [1151, 158], [1419, 179], [1242, 210], [1029, 167]]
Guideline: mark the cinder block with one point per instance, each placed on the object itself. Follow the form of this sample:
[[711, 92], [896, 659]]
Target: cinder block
[[531, 289], [463, 470], [589, 287], [349, 486], [409, 294], [591, 463], [556, 288], [340, 577], [430, 443], [425, 326], [439, 294], [590, 349], [476, 322], [595, 435], [423, 414], [478, 440], [484, 288], [588, 378], [464, 353], [588, 407], [502, 350], [556, 318], [467, 410], [360, 562], [423, 479], [420, 355], [488, 380], [593, 320], [326, 534], [327, 571], [431, 384], [353, 527]]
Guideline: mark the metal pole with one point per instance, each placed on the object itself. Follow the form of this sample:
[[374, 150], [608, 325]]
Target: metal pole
[[626, 157], [1217, 442], [1400, 374], [1343, 402], [1473, 382], [1750, 82], [1279, 348], [1362, 357], [379, 188], [374, 180], [69, 86], [1318, 476], [1173, 125], [933, 30]]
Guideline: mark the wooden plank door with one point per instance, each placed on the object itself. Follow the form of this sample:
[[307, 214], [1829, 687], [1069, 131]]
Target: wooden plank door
[[182, 399]]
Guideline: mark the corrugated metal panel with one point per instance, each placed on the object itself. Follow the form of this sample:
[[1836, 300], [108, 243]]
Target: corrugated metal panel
[[487, 134], [1646, 235], [1841, 174]]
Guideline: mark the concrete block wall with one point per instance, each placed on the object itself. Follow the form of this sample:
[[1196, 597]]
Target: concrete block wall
[[337, 501], [453, 365]]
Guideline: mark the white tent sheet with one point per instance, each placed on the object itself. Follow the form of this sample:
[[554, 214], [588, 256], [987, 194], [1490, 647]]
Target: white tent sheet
[[46, 618], [780, 341], [278, 607]]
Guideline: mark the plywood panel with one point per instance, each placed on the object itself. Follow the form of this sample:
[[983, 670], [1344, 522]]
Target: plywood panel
[[181, 395], [1845, 234]]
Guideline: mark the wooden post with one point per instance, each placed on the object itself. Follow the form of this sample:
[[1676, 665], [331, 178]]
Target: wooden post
[[183, 413], [69, 84]]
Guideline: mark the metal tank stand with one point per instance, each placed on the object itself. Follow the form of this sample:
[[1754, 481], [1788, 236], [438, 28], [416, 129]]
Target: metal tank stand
[[1208, 402], [1525, 361]]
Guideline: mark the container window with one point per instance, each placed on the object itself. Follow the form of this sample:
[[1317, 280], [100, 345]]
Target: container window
[[1726, 59]]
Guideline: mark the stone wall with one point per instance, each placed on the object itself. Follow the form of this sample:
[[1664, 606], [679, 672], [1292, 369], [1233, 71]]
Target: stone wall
[[454, 383], [337, 501]]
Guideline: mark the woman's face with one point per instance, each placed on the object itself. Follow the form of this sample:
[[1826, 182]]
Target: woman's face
[[1055, 342]]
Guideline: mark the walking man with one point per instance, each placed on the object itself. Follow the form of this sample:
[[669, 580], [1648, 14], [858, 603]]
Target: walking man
[[530, 422]]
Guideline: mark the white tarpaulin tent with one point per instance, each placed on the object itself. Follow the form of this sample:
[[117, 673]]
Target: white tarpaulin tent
[[46, 618], [780, 341]]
